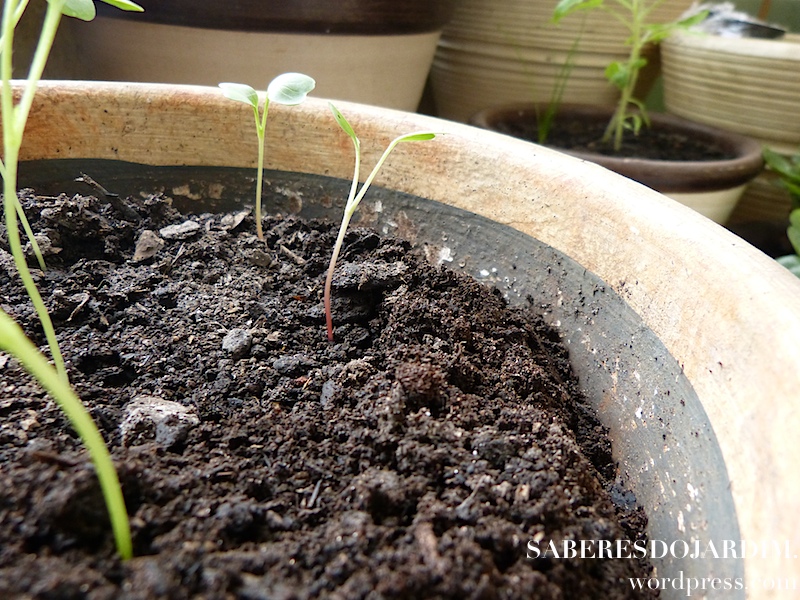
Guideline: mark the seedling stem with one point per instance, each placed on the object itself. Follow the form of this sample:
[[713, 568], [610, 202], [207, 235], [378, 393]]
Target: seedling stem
[[289, 89], [354, 198]]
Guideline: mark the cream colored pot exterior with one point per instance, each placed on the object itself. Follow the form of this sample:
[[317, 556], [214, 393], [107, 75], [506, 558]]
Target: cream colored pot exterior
[[749, 86], [385, 70], [727, 313]]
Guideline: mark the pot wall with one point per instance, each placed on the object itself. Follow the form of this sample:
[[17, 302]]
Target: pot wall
[[742, 85], [748, 86], [370, 51], [373, 69], [727, 315]]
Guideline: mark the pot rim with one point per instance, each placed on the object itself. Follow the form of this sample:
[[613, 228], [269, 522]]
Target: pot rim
[[370, 17], [664, 176]]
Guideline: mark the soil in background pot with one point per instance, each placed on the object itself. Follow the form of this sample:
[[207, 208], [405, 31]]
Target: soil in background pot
[[651, 143], [415, 457]]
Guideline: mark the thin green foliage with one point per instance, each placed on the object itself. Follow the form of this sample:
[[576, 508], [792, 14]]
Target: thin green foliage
[[630, 113], [546, 119], [356, 195], [14, 118], [289, 89]]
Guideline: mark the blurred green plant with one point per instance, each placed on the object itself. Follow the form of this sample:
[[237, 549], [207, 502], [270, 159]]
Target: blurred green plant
[[788, 171]]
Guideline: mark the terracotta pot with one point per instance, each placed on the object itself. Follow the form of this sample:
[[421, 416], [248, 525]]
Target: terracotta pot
[[502, 51], [743, 85], [684, 336], [371, 51], [710, 187]]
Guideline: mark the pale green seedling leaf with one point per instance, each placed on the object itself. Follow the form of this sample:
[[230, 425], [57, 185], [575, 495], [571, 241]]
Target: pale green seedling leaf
[[633, 122], [692, 20], [343, 123], [80, 9], [793, 188], [788, 170], [124, 5], [290, 88], [240, 92], [785, 167], [354, 198], [658, 32], [642, 111], [422, 136]]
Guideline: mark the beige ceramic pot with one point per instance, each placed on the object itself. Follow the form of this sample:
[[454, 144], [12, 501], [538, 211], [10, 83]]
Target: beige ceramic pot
[[371, 51], [501, 51], [712, 188], [748, 86], [683, 336]]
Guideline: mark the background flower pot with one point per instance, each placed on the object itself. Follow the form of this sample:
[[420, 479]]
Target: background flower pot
[[712, 188], [748, 86], [372, 51], [503, 51], [682, 334]]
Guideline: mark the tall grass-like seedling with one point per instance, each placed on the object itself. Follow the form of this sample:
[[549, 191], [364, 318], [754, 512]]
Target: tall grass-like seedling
[[545, 119], [630, 113], [289, 89], [356, 195], [12, 339]]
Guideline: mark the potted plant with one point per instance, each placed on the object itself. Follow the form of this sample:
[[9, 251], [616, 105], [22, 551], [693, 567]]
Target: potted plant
[[640, 323], [504, 51], [607, 338], [385, 493], [372, 51], [700, 166]]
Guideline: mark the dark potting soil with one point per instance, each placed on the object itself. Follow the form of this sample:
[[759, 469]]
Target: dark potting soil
[[415, 457], [651, 143]]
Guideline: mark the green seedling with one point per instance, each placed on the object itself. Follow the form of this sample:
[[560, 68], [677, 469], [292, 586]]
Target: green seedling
[[630, 113], [355, 196], [14, 117], [14, 341], [290, 89], [788, 171]]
